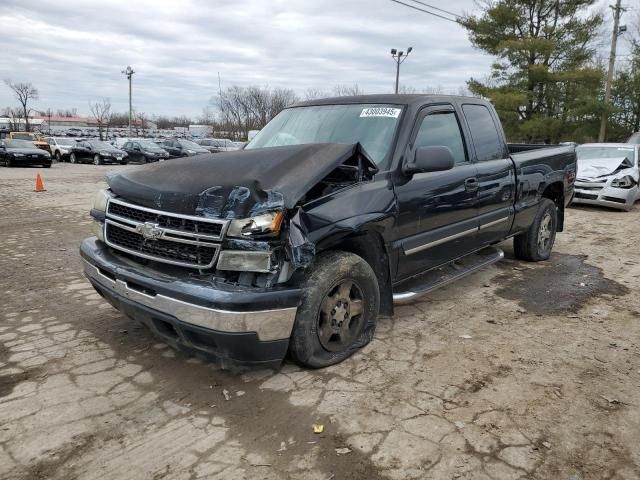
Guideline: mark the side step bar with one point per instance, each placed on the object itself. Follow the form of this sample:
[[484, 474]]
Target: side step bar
[[415, 287]]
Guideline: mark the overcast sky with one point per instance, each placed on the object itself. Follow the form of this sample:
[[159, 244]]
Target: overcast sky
[[73, 51]]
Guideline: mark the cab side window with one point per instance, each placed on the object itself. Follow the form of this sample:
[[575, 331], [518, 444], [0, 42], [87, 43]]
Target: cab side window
[[484, 133], [442, 129]]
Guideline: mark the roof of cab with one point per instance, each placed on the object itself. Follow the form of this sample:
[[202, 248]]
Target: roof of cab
[[408, 99]]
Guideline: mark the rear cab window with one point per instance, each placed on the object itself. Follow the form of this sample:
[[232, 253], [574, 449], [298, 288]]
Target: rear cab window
[[485, 136]]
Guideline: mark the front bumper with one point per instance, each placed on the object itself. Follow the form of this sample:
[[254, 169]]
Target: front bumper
[[607, 196], [24, 161], [230, 323]]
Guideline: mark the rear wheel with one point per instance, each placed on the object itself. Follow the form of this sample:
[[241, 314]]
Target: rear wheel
[[47, 165], [536, 243], [72, 158], [7, 162], [338, 313], [97, 160]]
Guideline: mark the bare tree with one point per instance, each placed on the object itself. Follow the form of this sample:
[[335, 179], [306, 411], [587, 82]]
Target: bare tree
[[101, 112], [24, 92], [347, 90], [15, 117], [69, 112], [243, 109], [313, 93], [144, 123]]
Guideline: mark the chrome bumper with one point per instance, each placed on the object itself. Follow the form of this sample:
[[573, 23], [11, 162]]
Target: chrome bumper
[[267, 324]]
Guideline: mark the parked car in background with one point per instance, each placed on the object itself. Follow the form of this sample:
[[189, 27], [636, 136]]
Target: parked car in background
[[635, 138], [145, 151], [215, 145], [14, 153], [96, 152], [608, 175], [32, 137], [60, 147], [74, 132], [182, 148]]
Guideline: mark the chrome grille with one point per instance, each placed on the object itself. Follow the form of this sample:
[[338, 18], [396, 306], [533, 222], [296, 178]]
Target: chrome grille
[[176, 239]]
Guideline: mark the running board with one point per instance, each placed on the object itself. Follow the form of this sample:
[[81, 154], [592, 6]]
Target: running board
[[415, 287]]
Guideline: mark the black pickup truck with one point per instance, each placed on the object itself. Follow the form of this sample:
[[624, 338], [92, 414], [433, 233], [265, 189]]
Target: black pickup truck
[[335, 211]]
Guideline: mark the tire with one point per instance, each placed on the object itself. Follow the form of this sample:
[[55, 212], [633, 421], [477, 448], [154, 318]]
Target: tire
[[72, 158], [337, 282], [536, 243], [124, 162], [8, 163], [97, 160], [58, 157], [47, 165]]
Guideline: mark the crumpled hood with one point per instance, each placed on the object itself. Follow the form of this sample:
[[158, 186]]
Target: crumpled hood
[[599, 167], [234, 184]]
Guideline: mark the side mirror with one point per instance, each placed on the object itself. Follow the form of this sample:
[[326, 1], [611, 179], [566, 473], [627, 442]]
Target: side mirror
[[431, 159]]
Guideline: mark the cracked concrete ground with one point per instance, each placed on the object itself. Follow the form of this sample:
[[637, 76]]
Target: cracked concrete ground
[[519, 371]]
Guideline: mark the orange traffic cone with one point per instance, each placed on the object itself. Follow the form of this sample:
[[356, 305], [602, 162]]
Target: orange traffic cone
[[39, 184]]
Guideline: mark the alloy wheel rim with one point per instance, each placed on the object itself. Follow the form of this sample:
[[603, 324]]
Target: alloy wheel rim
[[341, 316], [544, 234]]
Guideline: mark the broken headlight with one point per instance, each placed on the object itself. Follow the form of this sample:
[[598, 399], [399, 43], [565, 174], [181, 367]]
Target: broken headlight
[[623, 182], [100, 201], [266, 224], [98, 212]]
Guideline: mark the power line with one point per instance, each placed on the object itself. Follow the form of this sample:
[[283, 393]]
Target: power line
[[437, 8], [425, 11]]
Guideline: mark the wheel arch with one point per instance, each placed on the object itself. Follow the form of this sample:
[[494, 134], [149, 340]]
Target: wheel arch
[[369, 245], [555, 192]]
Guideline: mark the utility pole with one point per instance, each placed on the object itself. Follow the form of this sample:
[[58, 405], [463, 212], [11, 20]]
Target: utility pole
[[398, 58], [129, 73], [617, 31]]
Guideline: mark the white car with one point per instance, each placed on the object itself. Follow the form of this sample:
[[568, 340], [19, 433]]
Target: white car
[[60, 147], [608, 175]]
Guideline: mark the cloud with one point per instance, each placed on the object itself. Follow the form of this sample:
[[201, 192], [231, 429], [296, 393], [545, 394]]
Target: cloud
[[74, 51]]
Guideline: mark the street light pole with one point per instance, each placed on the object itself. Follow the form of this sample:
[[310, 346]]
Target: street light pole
[[617, 31], [129, 73], [399, 57]]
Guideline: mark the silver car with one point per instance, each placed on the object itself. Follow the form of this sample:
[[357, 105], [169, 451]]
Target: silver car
[[608, 175]]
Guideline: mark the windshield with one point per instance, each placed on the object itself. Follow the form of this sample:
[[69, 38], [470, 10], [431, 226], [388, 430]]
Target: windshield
[[635, 139], [595, 153], [24, 136], [65, 141], [149, 146], [19, 144], [189, 144], [373, 125], [103, 145]]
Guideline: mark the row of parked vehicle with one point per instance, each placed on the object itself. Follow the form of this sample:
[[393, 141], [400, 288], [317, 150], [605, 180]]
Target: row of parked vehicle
[[28, 148]]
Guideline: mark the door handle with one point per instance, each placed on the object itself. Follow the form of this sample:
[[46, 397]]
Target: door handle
[[471, 184]]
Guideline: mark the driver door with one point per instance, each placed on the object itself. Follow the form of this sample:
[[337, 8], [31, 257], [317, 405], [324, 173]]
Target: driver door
[[439, 207]]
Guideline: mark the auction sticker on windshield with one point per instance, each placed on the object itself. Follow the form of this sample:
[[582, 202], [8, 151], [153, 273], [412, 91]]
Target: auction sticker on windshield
[[380, 112]]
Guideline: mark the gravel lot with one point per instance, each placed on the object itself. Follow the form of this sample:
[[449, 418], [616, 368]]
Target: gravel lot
[[519, 371]]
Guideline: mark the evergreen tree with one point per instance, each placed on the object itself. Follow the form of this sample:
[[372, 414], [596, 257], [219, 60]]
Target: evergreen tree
[[544, 84]]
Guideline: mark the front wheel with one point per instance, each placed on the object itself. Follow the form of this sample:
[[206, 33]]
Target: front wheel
[[72, 158], [97, 160], [537, 242], [338, 312], [58, 157]]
